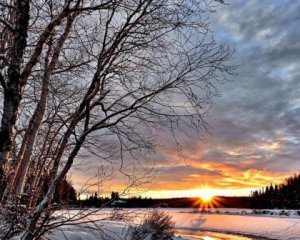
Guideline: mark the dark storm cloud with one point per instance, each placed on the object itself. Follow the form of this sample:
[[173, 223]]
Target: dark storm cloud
[[262, 103], [255, 124]]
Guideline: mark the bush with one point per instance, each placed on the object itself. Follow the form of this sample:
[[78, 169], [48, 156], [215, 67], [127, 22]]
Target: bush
[[117, 215], [156, 226]]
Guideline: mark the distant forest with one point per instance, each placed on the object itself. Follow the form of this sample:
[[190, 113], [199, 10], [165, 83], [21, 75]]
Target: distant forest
[[65, 193], [285, 195]]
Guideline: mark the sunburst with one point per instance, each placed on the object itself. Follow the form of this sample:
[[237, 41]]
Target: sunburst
[[206, 196], [206, 199]]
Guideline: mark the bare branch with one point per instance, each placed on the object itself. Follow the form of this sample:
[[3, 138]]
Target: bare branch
[[8, 25]]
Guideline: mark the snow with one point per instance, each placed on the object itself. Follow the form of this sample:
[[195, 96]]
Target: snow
[[261, 226], [274, 225], [113, 231]]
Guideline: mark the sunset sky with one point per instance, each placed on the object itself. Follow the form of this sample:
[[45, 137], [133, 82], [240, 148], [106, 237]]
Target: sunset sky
[[254, 132]]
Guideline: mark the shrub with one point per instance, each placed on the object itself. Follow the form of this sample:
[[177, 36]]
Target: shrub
[[117, 215], [156, 226]]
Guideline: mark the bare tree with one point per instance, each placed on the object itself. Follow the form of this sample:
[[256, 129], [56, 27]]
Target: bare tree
[[114, 71]]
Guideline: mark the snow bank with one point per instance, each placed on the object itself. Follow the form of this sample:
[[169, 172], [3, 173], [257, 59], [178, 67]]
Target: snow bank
[[261, 226], [111, 231], [274, 226], [231, 221]]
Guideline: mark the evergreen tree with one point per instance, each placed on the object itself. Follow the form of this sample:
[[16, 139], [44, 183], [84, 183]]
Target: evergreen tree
[[285, 195]]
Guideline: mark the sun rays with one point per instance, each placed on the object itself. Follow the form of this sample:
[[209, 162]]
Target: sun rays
[[206, 199]]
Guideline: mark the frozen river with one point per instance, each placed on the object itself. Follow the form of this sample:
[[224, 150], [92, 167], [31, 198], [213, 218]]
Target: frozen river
[[206, 235], [262, 227], [235, 224]]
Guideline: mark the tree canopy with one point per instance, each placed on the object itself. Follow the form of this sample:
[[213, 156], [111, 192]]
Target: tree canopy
[[99, 77]]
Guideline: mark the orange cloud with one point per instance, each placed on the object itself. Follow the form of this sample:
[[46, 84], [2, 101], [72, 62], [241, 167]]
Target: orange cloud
[[221, 168]]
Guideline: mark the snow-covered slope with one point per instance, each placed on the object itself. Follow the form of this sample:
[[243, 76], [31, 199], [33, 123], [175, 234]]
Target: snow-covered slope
[[230, 221]]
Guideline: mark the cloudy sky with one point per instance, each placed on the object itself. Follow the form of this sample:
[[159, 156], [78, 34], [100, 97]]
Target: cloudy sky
[[255, 123]]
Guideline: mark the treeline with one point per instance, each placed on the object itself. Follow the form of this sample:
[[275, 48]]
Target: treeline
[[65, 193], [285, 195], [94, 201]]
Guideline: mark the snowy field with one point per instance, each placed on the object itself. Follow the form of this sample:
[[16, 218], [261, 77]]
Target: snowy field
[[274, 227], [187, 223]]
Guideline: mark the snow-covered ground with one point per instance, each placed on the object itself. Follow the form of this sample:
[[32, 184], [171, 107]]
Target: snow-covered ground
[[274, 226], [253, 212], [111, 231]]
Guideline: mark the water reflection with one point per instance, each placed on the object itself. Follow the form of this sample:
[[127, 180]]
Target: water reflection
[[205, 235]]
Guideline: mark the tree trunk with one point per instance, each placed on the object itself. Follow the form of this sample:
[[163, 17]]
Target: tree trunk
[[36, 120], [12, 92], [29, 234]]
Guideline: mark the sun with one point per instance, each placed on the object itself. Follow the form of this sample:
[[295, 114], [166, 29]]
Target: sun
[[206, 195], [206, 198]]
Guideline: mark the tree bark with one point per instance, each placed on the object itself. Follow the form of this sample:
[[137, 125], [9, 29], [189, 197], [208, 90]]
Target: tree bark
[[12, 91], [36, 120]]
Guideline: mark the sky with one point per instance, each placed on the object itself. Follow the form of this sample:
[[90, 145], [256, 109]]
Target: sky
[[254, 133]]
